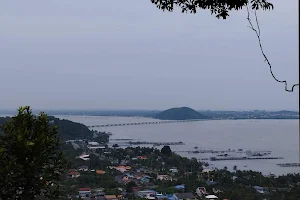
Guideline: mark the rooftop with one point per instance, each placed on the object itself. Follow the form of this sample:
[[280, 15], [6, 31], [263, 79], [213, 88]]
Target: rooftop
[[110, 196], [188, 195], [93, 143], [85, 189], [211, 197]]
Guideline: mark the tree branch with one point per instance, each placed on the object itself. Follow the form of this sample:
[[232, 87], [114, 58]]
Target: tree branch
[[257, 32]]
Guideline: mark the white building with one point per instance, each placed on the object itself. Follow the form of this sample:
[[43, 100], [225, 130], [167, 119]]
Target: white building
[[211, 197], [84, 156], [164, 178], [95, 145], [173, 170]]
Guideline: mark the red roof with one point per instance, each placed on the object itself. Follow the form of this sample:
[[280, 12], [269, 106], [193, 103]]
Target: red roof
[[85, 189], [142, 157]]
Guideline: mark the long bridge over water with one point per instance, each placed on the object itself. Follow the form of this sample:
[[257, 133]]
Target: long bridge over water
[[144, 123]]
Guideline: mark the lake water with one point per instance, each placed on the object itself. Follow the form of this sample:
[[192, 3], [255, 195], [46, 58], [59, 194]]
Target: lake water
[[279, 136]]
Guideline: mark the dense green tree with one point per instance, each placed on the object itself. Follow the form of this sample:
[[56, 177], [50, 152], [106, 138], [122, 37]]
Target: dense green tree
[[102, 138], [166, 150], [31, 162]]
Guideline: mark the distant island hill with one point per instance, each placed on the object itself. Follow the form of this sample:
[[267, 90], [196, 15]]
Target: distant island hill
[[183, 113]]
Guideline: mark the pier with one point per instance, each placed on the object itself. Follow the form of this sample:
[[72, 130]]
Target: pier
[[225, 152], [156, 143], [245, 158], [147, 123], [204, 151], [121, 139], [289, 165]]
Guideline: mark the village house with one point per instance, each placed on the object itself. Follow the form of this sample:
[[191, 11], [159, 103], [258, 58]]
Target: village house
[[99, 190], [142, 157], [100, 172], [84, 192], [173, 170], [261, 190], [129, 175], [144, 179], [122, 169], [164, 178], [83, 168], [97, 196], [84, 156], [142, 170], [211, 197], [146, 193], [179, 187], [110, 197], [95, 145], [184, 196], [73, 174]]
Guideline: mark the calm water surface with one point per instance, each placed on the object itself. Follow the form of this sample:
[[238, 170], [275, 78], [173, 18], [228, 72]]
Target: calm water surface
[[279, 136]]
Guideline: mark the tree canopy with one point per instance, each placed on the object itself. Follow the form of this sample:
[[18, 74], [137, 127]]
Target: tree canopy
[[166, 150], [66, 129], [219, 8], [31, 162]]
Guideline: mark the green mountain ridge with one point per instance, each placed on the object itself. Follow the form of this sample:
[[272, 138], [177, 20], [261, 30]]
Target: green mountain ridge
[[183, 113], [67, 129]]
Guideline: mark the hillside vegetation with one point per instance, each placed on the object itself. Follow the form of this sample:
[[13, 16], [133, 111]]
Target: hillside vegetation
[[183, 113], [66, 129]]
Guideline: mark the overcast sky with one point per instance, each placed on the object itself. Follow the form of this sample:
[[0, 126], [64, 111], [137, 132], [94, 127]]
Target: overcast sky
[[103, 54]]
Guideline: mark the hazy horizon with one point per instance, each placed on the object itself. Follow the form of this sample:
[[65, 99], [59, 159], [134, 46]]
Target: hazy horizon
[[2, 111], [106, 55]]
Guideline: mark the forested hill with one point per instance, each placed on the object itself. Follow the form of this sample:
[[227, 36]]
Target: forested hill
[[183, 113], [66, 129], [3, 120]]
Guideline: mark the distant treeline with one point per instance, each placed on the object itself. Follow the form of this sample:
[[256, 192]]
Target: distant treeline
[[255, 114]]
